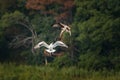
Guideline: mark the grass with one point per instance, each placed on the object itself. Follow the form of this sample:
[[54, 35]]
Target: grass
[[26, 72]]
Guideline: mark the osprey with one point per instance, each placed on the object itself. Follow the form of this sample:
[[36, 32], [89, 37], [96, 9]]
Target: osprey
[[64, 28]]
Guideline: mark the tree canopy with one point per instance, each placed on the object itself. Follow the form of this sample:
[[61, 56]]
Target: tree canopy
[[95, 26]]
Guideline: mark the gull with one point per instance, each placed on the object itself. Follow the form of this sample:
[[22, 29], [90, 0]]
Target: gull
[[50, 48], [64, 28]]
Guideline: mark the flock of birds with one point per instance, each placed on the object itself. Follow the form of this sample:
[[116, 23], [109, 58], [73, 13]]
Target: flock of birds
[[51, 48]]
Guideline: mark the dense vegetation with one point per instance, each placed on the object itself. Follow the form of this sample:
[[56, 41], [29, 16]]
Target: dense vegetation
[[94, 46], [25, 72]]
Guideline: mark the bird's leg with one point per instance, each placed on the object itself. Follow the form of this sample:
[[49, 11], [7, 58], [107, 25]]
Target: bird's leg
[[52, 54], [45, 56], [46, 60]]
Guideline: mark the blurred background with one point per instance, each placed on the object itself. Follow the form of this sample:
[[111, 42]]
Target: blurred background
[[94, 43]]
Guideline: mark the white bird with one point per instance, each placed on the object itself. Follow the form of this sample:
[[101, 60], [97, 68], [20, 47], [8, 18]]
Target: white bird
[[64, 28], [50, 48]]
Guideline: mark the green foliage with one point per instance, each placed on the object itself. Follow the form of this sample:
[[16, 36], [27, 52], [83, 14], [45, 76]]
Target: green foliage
[[96, 33], [4, 51], [8, 23], [6, 5], [9, 19], [94, 43], [42, 25], [24, 72], [63, 61]]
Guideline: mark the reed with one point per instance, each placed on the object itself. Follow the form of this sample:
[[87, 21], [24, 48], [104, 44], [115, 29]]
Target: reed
[[10, 71]]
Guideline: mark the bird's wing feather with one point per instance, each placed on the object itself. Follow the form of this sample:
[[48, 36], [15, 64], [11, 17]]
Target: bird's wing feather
[[62, 25], [59, 43], [61, 33], [69, 32], [65, 28], [55, 25], [59, 25], [40, 44], [45, 44]]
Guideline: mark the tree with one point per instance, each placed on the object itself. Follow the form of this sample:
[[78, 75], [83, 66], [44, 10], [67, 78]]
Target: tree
[[61, 11], [94, 33], [18, 31], [4, 51], [6, 5]]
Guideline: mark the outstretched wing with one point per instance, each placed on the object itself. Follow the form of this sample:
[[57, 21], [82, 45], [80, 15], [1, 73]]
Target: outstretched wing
[[65, 28], [61, 33], [40, 44], [59, 43], [59, 25], [56, 25], [69, 32], [62, 25]]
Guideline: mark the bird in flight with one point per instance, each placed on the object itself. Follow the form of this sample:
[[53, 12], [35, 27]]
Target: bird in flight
[[50, 48], [64, 28]]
